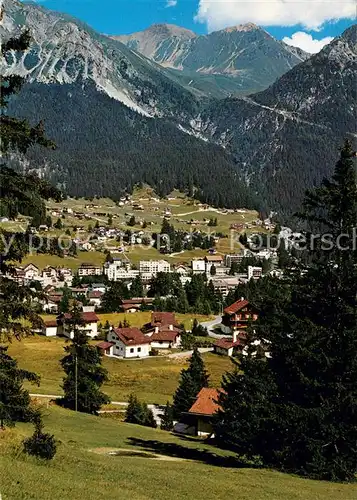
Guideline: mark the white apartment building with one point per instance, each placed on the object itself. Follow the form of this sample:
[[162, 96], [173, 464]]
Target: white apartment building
[[87, 269], [198, 266], [117, 270], [254, 272], [150, 268]]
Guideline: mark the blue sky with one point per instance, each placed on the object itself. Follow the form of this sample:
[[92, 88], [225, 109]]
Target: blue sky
[[314, 19]]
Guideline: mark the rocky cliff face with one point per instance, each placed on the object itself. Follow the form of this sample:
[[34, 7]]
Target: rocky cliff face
[[246, 54], [64, 50]]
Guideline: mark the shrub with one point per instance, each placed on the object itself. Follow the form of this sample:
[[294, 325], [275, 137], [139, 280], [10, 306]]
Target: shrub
[[40, 444]]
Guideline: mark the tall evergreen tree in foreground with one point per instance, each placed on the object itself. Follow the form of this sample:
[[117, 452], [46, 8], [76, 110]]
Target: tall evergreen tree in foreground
[[192, 380], [14, 399], [296, 409], [18, 194], [84, 372]]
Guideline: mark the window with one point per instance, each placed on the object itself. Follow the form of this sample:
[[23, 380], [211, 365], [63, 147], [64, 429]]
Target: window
[[139, 349], [132, 349]]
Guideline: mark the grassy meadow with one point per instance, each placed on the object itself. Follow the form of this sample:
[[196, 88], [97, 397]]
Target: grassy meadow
[[182, 210], [153, 379], [151, 465]]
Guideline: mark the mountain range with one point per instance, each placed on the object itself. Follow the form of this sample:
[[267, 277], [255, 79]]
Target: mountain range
[[237, 60], [119, 117]]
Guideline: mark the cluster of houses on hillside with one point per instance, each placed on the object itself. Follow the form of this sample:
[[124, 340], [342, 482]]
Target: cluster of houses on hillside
[[54, 279], [162, 332]]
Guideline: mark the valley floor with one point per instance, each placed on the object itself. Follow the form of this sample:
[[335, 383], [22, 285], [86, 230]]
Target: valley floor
[[151, 465]]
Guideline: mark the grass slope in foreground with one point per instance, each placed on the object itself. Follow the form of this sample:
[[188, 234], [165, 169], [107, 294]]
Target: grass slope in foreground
[[187, 469]]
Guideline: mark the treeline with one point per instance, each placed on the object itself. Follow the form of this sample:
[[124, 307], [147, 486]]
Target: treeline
[[175, 240], [197, 296]]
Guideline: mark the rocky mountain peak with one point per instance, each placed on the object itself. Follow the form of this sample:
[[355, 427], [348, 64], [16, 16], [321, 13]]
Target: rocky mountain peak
[[242, 27]]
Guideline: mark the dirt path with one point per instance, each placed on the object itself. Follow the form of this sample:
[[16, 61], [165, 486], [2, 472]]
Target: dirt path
[[127, 452]]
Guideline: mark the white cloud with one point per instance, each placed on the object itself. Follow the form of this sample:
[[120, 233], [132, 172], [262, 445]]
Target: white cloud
[[171, 3], [311, 14], [306, 42]]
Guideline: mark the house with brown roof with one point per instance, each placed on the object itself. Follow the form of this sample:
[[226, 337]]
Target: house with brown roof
[[49, 328], [202, 412], [228, 346], [95, 297], [134, 305], [89, 324], [126, 343], [163, 330], [238, 315]]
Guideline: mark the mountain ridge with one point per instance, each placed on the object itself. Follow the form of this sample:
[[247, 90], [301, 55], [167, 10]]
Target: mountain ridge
[[290, 133], [246, 54]]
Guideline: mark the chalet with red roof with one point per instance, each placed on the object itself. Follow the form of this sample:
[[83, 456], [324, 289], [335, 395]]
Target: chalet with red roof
[[203, 410], [163, 330], [134, 305], [89, 324], [238, 315], [95, 297], [62, 325], [126, 343], [228, 346]]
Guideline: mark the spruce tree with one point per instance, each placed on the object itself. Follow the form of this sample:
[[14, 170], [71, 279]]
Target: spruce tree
[[137, 288], [14, 399], [302, 398], [134, 411], [84, 371], [40, 444], [167, 419], [148, 417], [18, 194], [192, 380]]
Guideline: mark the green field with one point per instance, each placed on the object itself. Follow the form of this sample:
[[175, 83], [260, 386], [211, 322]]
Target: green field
[[153, 379], [43, 260], [139, 319], [152, 465]]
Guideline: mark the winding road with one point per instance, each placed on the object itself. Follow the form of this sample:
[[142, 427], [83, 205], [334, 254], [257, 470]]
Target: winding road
[[210, 324]]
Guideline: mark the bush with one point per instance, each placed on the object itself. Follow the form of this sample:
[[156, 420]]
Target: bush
[[154, 352], [40, 444]]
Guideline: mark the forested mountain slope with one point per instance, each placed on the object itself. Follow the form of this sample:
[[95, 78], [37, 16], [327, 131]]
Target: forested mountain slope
[[286, 138], [104, 148]]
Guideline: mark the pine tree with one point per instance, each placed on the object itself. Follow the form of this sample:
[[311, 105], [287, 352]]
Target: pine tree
[[58, 224], [134, 411], [302, 398], [18, 194], [64, 304], [40, 444], [84, 372], [148, 417], [132, 221], [192, 380], [14, 399], [137, 288], [167, 419]]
